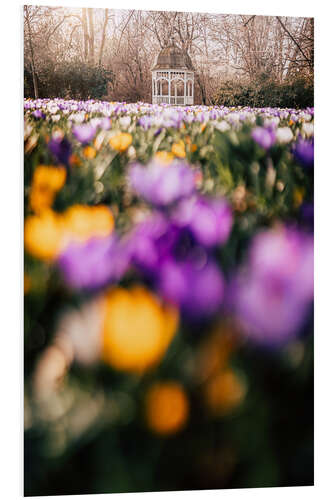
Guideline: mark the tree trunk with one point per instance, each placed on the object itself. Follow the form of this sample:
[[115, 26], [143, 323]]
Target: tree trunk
[[32, 62], [103, 38], [91, 37], [85, 33]]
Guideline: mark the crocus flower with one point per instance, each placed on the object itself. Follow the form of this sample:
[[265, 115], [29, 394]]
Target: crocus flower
[[304, 152], [137, 329], [84, 133], [273, 294], [61, 149], [181, 269], [161, 185], [38, 114], [198, 289], [94, 263], [210, 220], [264, 137]]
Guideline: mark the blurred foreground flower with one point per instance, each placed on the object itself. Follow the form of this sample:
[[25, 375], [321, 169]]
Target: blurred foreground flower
[[84, 222], [46, 182], [182, 270], [166, 408], [197, 289], [178, 149], [210, 220], [43, 235], [162, 185], [273, 294], [121, 141], [138, 329], [164, 157], [224, 392], [303, 152], [93, 264], [264, 137], [84, 133], [61, 149], [48, 234]]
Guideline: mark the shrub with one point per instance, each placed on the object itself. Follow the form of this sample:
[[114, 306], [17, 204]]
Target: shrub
[[264, 92]]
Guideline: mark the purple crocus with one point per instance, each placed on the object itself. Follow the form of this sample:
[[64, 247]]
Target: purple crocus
[[145, 122], [197, 288], [163, 185], [60, 148], [264, 137], [177, 266], [38, 114], [105, 123], [91, 265], [303, 152], [210, 220], [273, 293], [84, 133]]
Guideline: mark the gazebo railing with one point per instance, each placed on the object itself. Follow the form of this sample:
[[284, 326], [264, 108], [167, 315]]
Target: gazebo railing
[[179, 100]]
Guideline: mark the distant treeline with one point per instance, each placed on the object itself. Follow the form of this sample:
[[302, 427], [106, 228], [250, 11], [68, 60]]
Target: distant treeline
[[76, 80], [298, 93]]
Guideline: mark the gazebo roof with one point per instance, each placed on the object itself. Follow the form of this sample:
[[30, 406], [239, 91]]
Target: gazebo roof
[[172, 57]]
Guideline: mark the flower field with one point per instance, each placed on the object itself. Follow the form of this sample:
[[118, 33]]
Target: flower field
[[168, 297]]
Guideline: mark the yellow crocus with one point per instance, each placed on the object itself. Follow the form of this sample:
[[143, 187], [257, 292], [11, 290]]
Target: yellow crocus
[[121, 141], [83, 222], [166, 407], [46, 182], [74, 160], [178, 149], [89, 152], [40, 199], [43, 235], [49, 177], [138, 329], [224, 392], [164, 157]]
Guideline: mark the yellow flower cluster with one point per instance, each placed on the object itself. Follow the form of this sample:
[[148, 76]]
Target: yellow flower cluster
[[89, 152], [178, 149], [224, 392], [138, 329], [46, 182], [223, 388], [192, 147], [164, 157], [121, 141], [166, 408], [47, 233]]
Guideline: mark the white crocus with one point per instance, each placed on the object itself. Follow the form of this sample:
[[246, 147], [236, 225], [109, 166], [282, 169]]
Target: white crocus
[[125, 122], [308, 129], [284, 135]]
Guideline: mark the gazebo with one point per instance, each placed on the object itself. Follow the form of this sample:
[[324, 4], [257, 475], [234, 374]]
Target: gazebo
[[173, 77]]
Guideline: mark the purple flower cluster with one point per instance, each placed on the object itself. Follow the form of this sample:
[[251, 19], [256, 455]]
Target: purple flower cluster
[[172, 249], [61, 149], [93, 264], [264, 137], [162, 185], [84, 133], [178, 265], [303, 152], [271, 296]]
